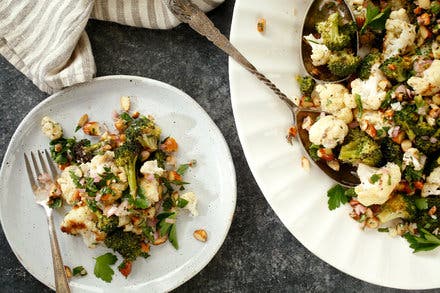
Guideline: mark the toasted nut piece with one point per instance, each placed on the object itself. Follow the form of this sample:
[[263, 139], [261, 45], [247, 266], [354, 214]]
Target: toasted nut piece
[[424, 32], [326, 154], [424, 19], [371, 130], [372, 223], [418, 185], [151, 212], [261, 25], [432, 211], [125, 103], [406, 145], [434, 113], [334, 164], [399, 137], [160, 240], [135, 115], [169, 145], [145, 155], [83, 120], [173, 175], [145, 247], [58, 147], [200, 235], [68, 272], [120, 125], [307, 123], [305, 163], [293, 131], [91, 128]]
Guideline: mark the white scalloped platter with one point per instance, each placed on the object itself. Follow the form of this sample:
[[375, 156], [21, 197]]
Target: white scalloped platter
[[299, 197], [213, 180]]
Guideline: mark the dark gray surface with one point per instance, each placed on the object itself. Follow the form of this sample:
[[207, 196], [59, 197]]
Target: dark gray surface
[[259, 253]]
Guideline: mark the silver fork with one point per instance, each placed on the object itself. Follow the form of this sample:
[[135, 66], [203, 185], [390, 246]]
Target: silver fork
[[41, 196]]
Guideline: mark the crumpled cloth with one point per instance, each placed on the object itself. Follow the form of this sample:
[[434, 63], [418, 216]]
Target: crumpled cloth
[[46, 41]]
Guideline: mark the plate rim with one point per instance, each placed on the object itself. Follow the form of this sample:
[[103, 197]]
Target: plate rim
[[233, 200], [233, 68]]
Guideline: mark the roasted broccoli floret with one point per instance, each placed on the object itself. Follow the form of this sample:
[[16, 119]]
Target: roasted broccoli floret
[[313, 151], [412, 175], [343, 63], [425, 137], [83, 151], [364, 70], [391, 151], [145, 132], [426, 218], [359, 147], [306, 84], [435, 7], [127, 244], [126, 156], [335, 35], [396, 68], [106, 224], [398, 206]]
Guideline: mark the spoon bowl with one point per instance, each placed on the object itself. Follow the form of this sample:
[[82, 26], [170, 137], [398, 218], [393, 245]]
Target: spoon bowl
[[346, 175], [318, 11], [189, 13]]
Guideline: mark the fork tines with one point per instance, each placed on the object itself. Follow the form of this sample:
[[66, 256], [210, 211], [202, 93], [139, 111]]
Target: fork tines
[[43, 163]]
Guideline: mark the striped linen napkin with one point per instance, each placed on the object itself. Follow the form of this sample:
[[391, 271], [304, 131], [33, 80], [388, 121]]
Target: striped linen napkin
[[46, 41]]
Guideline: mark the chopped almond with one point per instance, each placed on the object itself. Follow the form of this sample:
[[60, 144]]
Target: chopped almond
[[201, 235], [261, 25], [170, 145]]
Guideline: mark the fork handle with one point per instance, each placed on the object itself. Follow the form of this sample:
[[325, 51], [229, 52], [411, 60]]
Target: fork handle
[[61, 283], [189, 13]]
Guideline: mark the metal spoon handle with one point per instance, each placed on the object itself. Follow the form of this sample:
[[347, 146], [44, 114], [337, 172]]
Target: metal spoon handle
[[189, 13]]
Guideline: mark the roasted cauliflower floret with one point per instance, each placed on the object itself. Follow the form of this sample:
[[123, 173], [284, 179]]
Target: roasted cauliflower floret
[[82, 221], [372, 91], [432, 184], [400, 34], [192, 203], [69, 189], [320, 52], [151, 167], [429, 83], [51, 129], [150, 188], [377, 184], [328, 131], [334, 98]]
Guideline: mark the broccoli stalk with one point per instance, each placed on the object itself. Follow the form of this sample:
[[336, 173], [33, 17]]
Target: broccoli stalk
[[126, 156], [360, 148], [335, 35], [398, 206]]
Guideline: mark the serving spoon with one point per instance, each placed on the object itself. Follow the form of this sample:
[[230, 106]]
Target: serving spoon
[[189, 13], [318, 11]]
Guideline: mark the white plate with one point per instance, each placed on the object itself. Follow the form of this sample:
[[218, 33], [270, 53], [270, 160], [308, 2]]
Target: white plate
[[298, 197], [213, 180]]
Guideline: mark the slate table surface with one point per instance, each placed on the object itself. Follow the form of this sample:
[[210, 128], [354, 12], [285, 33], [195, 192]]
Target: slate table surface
[[259, 253]]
